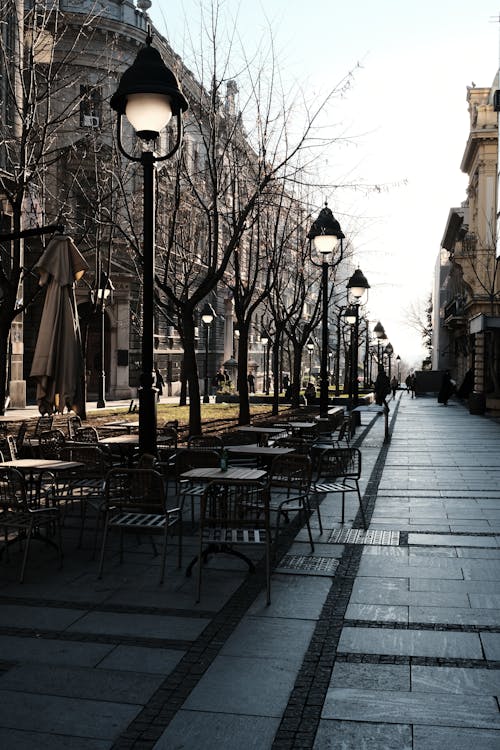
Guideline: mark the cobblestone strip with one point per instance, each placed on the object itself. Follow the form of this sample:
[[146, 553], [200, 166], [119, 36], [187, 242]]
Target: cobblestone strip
[[300, 720]]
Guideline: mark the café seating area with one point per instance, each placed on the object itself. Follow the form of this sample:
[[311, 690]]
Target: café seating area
[[80, 489]]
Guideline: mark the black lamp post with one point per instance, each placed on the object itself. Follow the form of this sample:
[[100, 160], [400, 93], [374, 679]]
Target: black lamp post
[[264, 339], [103, 294], [398, 360], [207, 316], [350, 316], [356, 287], [310, 349], [380, 334], [389, 350], [326, 235], [148, 95]]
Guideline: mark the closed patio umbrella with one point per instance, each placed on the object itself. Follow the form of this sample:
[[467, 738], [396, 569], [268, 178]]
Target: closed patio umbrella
[[58, 359]]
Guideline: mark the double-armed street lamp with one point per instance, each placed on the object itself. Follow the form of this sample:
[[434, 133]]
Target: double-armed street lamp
[[207, 315], [326, 235], [148, 95], [356, 288], [103, 296]]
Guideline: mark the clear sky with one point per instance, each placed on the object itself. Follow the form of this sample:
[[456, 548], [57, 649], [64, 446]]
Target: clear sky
[[406, 112]]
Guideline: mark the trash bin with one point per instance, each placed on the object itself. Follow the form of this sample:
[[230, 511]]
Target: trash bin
[[477, 403]]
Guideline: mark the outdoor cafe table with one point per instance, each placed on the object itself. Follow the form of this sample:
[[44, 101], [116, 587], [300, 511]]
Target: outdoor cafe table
[[263, 432], [35, 466], [124, 425], [259, 450], [212, 473]]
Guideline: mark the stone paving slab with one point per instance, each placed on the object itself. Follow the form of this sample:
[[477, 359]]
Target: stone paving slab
[[455, 680], [18, 738], [144, 626], [244, 685], [129, 658], [94, 719], [412, 708], [226, 732], [52, 651], [411, 643], [437, 738], [73, 682], [348, 735]]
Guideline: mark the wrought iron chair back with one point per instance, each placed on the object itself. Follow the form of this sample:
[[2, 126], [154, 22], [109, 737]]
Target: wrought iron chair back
[[290, 484], [234, 514], [135, 502]]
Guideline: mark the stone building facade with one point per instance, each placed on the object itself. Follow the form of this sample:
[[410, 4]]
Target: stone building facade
[[471, 302]]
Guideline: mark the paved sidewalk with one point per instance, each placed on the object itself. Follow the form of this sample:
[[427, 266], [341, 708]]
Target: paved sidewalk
[[389, 639]]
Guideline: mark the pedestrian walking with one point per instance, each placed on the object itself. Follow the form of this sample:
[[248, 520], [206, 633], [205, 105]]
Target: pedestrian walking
[[251, 382], [382, 388], [447, 389], [410, 384], [159, 383], [394, 387]]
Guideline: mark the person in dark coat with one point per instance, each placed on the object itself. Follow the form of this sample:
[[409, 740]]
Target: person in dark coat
[[159, 383], [447, 388], [382, 388]]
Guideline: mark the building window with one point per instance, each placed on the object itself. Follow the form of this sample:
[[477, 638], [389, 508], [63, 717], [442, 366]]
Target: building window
[[90, 107]]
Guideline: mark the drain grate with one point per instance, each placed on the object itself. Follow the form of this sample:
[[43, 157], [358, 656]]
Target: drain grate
[[359, 536], [325, 566]]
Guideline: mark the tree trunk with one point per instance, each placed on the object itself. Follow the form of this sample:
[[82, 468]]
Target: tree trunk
[[297, 362], [191, 373], [244, 415], [276, 370], [183, 391], [4, 349]]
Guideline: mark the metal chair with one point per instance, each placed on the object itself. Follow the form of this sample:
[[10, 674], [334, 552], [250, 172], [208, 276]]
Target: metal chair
[[44, 424], [290, 484], [135, 502], [205, 442], [233, 514], [74, 424], [20, 437], [300, 445], [85, 485], [191, 458], [18, 515], [11, 446], [51, 444], [339, 471], [86, 435]]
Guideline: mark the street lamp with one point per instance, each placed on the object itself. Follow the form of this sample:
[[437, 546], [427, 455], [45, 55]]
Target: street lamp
[[264, 340], [326, 235], [356, 286], [103, 295], [350, 318], [207, 316], [380, 334], [398, 360], [389, 350], [148, 95], [310, 348]]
